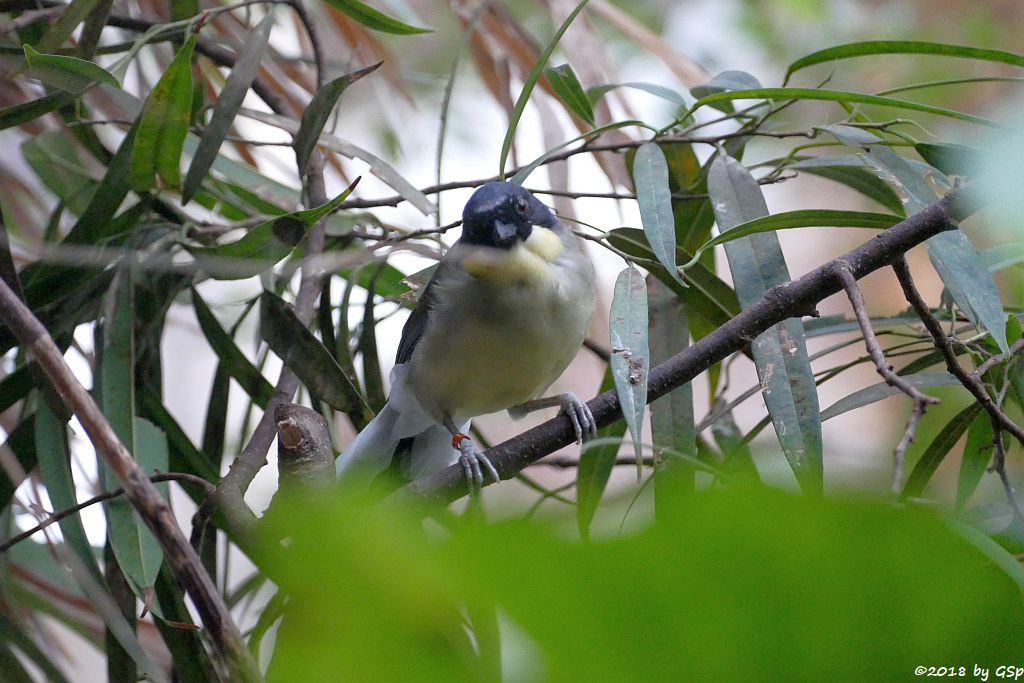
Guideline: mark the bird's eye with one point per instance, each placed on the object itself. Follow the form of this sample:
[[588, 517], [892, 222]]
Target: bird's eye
[[521, 206]]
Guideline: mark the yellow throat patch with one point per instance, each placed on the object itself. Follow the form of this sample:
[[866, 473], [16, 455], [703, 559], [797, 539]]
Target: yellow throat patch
[[528, 261]]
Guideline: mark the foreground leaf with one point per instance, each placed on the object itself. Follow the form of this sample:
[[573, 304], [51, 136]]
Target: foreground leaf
[[71, 74], [650, 174]]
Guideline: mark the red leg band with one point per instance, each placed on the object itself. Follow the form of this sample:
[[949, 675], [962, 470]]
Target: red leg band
[[457, 439]]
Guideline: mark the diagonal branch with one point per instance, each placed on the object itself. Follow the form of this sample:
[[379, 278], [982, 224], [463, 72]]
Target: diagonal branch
[[228, 647], [796, 298], [921, 401]]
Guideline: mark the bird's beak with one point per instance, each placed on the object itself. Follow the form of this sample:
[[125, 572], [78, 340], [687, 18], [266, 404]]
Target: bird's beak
[[506, 231]]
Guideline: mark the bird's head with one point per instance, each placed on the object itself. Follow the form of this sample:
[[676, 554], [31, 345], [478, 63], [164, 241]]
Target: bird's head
[[502, 215], [509, 235]]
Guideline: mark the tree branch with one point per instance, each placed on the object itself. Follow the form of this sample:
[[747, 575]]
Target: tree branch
[[229, 649], [921, 401], [796, 298]]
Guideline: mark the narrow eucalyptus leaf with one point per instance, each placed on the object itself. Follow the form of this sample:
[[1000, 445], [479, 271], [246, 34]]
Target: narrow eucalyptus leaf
[[631, 359]]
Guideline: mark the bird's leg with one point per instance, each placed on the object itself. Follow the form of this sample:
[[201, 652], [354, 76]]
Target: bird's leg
[[473, 462], [582, 419]]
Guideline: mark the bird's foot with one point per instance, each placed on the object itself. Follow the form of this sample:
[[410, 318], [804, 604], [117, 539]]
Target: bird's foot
[[474, 463], [583, 422]]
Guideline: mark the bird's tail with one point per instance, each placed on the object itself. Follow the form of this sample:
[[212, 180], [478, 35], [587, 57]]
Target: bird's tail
[[402, 427]]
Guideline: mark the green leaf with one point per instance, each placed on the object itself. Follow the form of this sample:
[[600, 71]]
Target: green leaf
[[308, 359], [314, 118], [780, 354], [264, 245], [55, 469], [163, 124], [906, 47], [371, 18], [958, 264], [77, 11], [631, 358], [860, 178], [1003, 256], [938, 449], [952, 159], [650, 175], [977, 454], [232, 360], [672, 425], [565, 84], [137, 551], [725, 82], [67, 73], [804, 218], [528, 85], [55, 160], [226, 107], [877, 392], [596, 92], [95, 223], [816, 94], [707, 294], [597, 459], [17, 114], [969, 282]]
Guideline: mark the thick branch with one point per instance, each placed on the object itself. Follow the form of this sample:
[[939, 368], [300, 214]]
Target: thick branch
[[229, 648], [796, 298]]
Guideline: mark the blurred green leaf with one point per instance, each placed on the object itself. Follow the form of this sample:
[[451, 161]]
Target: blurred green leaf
[[71, 74], [371, 18], [780, 354], [528, 85], [565, 84], [163, 124], [680, 601], [630, 355], [938, 449], [228, 102], [1003, 256], [905, 47], [55, 160], [650, 175], [315, 116], [58, 33]]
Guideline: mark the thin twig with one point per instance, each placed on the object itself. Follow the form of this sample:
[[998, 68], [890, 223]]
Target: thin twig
[[999, 464], [58, 515], [945, 346], [995, 360], [921, 401]]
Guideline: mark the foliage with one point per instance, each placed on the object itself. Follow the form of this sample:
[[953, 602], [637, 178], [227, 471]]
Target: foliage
[[156, 150]]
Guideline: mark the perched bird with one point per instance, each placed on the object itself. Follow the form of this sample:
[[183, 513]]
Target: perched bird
[[501, 318]]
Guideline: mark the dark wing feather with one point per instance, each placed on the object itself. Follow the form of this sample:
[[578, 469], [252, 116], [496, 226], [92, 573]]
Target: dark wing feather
[[417, 322]]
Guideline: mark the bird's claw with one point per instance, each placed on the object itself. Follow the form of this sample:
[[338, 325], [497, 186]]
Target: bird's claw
[[583, 422], [474, 463]]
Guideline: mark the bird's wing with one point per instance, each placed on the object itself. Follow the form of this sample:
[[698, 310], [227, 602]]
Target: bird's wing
[[417, 321]]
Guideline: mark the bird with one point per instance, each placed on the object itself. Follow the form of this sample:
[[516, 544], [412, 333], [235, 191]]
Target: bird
[[504, 313]]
